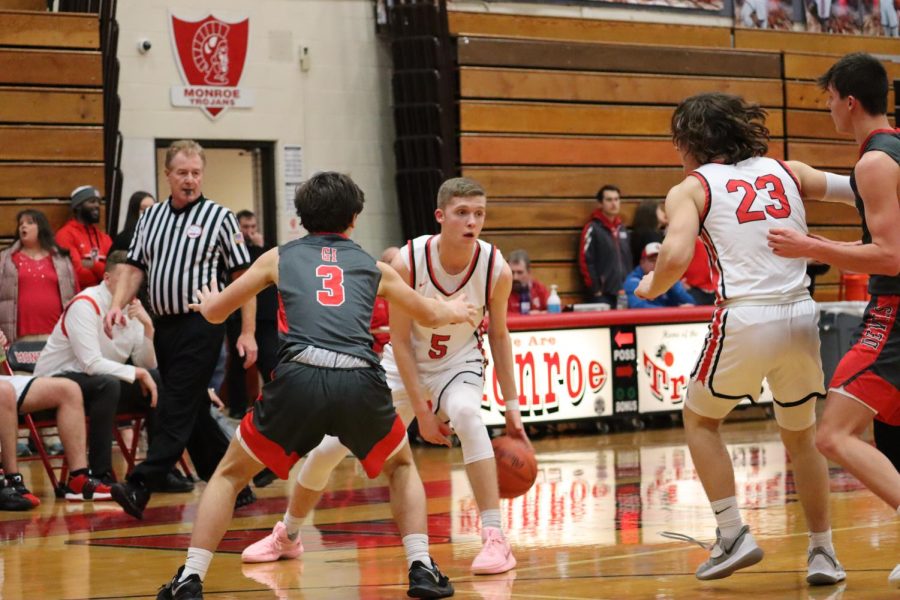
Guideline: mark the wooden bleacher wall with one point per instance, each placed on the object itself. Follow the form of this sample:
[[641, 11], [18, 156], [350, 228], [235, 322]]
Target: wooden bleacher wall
[[51, 111], [550, 109]]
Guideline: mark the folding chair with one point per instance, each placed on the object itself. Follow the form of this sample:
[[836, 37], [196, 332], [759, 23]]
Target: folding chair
[[21, 356], [135, 422]]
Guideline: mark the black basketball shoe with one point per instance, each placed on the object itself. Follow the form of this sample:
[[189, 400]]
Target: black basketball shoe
[[244, 498], [132, 497], [428, 582], [189, 589]]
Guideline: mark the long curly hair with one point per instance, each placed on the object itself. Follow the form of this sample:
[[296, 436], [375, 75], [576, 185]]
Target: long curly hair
[[720, 127]]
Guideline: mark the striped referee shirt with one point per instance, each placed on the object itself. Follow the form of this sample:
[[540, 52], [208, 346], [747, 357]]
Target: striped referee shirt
[[179, 250]]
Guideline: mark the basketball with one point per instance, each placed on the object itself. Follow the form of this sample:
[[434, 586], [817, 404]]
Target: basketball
[[516, 466]]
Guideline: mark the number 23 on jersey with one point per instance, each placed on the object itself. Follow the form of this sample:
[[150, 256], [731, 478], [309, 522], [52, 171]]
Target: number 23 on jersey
[[779, 208]]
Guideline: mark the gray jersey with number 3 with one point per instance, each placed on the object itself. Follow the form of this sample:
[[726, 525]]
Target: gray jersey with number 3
[[327, 286]]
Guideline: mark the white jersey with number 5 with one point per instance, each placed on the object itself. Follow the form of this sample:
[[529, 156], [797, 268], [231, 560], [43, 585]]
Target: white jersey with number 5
[[436, 349], [744, 201]]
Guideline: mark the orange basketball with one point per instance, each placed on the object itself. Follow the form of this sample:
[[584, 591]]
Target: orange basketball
[[516, 466]]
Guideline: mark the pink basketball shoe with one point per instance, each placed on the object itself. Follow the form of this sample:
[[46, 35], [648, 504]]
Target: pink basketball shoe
[[495, 556], [274, 546]]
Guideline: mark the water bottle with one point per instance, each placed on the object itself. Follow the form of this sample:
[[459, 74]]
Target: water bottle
[[621, 300], [553, 303], [525, 300]]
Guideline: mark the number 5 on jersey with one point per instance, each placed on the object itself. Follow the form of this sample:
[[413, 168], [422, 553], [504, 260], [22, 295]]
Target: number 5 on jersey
[[438, 346]]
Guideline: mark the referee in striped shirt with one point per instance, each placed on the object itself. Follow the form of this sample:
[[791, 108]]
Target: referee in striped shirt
[[177, 246]]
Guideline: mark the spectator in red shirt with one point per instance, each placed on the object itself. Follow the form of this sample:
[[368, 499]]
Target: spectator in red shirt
[[37, 279], [87, 243], [520, 265], [381, 335], [697, 279]]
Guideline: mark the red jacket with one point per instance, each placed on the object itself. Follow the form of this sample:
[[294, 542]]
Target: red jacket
[[604, 255], [81, 241]]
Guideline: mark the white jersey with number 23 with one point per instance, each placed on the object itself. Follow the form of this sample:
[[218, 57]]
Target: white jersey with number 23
[[744, 201]]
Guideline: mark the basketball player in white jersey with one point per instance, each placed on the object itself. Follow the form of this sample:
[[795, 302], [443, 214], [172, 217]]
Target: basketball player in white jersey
[[436, 375], [765, 324]]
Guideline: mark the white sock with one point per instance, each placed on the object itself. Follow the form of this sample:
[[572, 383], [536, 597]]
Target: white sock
[[821, 539], [292, 524], [416, 547], [490, 518], [728, 517], [197, 562]]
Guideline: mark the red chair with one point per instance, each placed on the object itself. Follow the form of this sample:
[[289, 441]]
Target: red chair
[[22, 356]]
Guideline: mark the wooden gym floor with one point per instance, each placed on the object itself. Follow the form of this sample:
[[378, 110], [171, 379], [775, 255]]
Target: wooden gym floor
[[590, 528]]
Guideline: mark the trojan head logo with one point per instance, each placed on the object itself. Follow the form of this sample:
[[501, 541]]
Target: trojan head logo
[[664, 384], [209, 49], [210, 54]]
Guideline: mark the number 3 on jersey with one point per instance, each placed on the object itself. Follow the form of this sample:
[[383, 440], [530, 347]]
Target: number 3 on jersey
[[332, 277], [780, 209]]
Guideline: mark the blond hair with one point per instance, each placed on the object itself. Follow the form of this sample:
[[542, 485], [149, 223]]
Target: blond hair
[[458, 187], [186, 147]]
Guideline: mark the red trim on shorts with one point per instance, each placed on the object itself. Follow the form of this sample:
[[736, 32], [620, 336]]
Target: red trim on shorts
[[873, 391], [375, 459], [715, 331], [855, 374], [71, 302], [271, 454]]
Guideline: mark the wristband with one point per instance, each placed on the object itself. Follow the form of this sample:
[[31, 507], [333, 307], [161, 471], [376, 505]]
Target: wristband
[[837, 187]]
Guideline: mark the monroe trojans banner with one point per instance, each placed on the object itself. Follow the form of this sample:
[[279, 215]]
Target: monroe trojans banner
[[210, 54], [560, 375]]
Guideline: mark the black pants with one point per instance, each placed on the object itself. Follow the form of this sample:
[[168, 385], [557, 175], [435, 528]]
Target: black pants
[[236, 375], [887, 439], [101, 397], [187, 348], [133, 400], [104, 396]]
